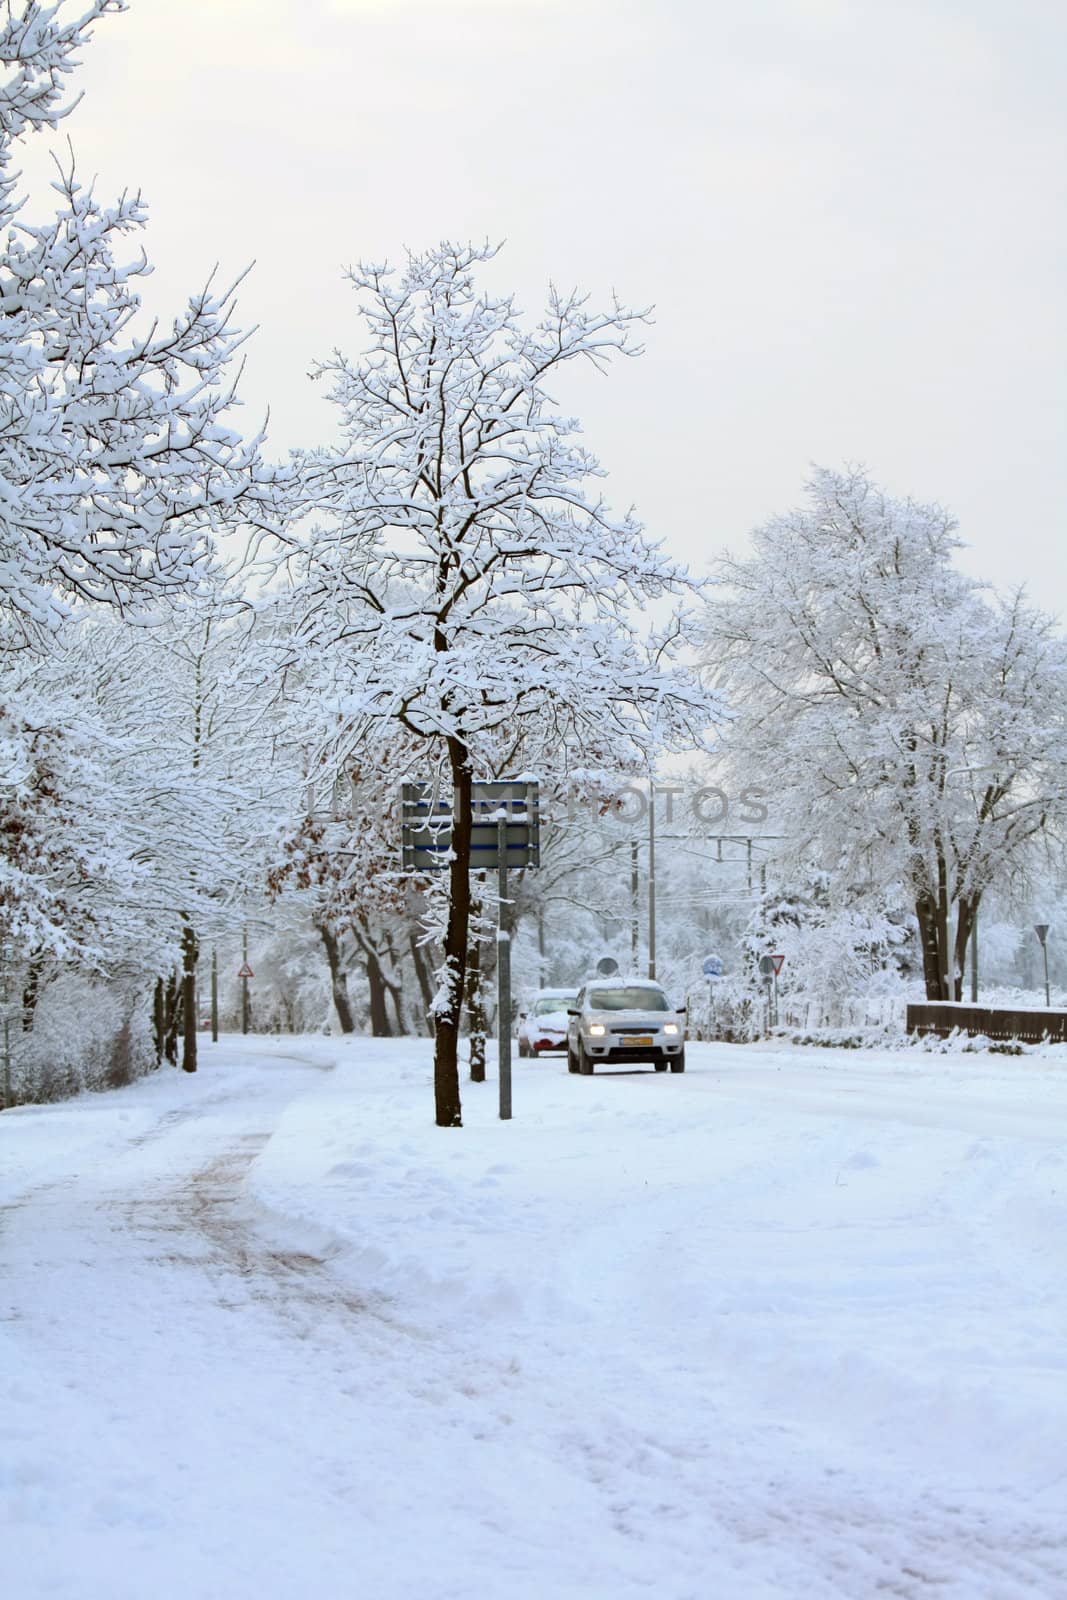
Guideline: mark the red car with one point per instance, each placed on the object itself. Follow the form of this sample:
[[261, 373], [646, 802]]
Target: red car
[[543, 1025]]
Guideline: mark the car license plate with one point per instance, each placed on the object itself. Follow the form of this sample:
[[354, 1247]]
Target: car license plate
[[639, 1038]]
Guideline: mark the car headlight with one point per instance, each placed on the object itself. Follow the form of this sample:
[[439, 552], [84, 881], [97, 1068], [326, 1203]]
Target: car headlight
[[670, 1027], [597, 1028]]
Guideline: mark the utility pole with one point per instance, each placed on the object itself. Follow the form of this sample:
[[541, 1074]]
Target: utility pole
[[635, 905], [214, 995], [6, 953], [651, 879], [244, 980], [503, 972]]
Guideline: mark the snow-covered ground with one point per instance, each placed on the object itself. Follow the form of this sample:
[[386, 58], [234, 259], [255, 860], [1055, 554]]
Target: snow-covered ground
[[790, 1325]]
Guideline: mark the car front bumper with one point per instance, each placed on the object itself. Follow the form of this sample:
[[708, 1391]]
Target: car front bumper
[[542, 1042], [612, 1047]]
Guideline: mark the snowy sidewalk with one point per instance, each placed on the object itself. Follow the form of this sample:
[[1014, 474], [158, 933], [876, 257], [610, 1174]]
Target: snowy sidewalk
[[782, 1326]]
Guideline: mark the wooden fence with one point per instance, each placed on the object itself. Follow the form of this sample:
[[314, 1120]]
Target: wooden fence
[[993, 1022]]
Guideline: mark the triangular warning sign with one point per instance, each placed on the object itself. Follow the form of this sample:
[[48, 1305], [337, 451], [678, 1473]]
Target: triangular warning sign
[[246, 972], [779, 963]]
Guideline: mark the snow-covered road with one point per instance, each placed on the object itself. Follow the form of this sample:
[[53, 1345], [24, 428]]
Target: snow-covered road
[[790, 1325]]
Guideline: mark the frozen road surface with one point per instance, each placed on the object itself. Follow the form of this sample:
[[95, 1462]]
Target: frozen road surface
[[792, 1325]]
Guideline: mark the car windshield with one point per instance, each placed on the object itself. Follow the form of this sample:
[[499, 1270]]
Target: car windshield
[[551, 1004], [634, 999]]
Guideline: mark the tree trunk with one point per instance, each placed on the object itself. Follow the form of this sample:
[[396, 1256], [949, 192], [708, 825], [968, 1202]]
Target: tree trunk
[[31, 990], [159, 1019], [338, 978], [394, 989], [379, 1017], [926, 912], [447, 1020], [172, 1018], [948, 984], [966, 914], [400, 1020], [190, 951], [476, 1011], [423, 975], [941, 964]]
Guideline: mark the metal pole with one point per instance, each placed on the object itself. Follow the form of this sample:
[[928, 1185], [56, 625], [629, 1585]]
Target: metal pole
[[651, 879], [214, 995], [244, 982], [774, 1014], [5, 957], [974, 960], [635, 905], [503, 974], [1044, 952]]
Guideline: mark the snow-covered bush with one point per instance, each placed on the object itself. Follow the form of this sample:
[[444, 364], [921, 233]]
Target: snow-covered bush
[[85, 1036]]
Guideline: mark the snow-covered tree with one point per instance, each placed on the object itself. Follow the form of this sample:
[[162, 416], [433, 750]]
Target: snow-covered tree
[[463, 575], [339, 854], [915, 720], [62, 881], [38, 45], [118, 468], [117, 461], [129, 818]]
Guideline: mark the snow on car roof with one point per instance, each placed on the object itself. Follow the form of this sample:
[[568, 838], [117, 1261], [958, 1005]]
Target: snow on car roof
[[624, 983]]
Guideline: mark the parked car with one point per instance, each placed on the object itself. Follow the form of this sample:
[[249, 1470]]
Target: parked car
[[625, 1020], [543, 1025]]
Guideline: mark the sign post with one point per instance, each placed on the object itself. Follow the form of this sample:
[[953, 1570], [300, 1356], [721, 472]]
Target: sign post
[[778, 963], [712, 969], [244, 975], [766, 967], [770, 967], [1041, 929], [505, 832], [503, 973]]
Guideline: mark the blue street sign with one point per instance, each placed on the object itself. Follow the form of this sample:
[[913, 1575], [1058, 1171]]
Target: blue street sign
[[713, 967]]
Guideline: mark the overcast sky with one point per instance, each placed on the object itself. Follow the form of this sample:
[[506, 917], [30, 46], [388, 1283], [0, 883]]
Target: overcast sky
[[849, 215]]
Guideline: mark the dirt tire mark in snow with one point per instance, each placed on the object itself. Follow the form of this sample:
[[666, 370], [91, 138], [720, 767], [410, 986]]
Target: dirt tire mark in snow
[[205, 1224]]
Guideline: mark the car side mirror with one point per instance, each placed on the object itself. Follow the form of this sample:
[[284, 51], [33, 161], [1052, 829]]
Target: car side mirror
[[572, 1013], [683, 1010]]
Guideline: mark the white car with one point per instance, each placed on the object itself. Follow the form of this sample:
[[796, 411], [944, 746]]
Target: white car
[[625, 1019], [543, 1025]]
